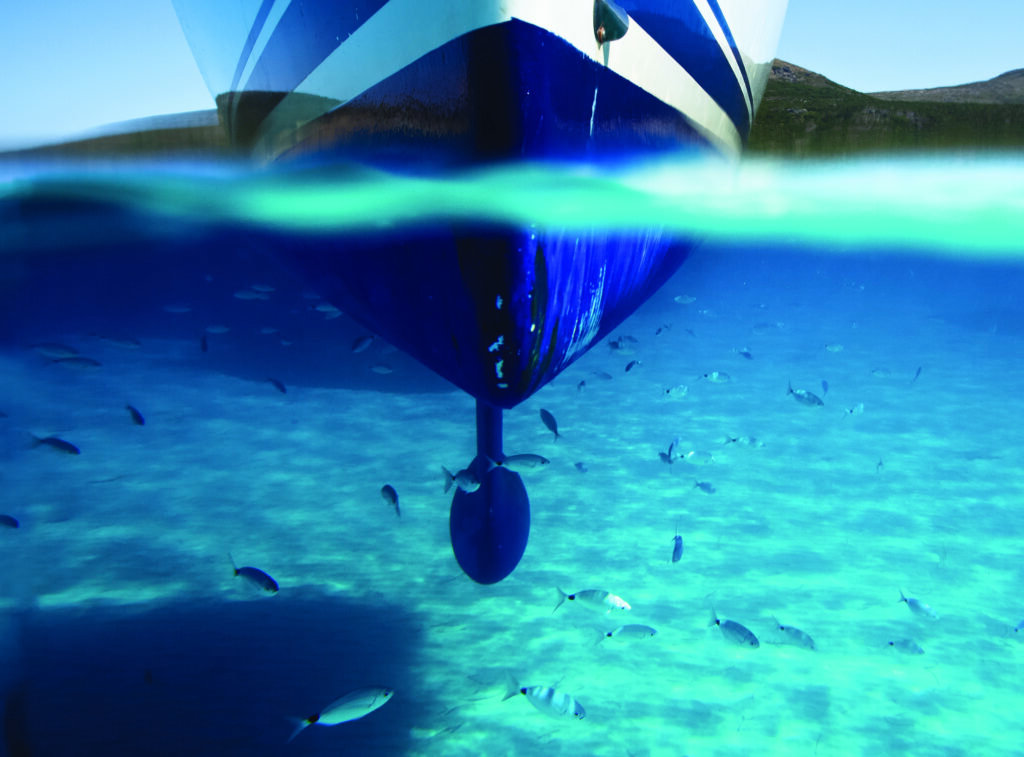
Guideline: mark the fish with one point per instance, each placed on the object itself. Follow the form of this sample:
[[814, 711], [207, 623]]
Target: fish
[[622, 346], [56, 443], [804, 397], [631, 631], [125, 342], [594, 599], [794, 636], [363, 343], [256, 577], [718, 377], [824, 387], [916, 374], [278, 385], [382, 369], [906, 646], [1016, 629], [522, 462], [352, 706], [734, 632], [137, 418], [249, 294], [54, 351], [663, 327], [677, 391], [696, 457], [918, 607], [550, 423], [632, 364], [9, 521], [744, 441], [705, 486], [602, 375], [834, 347], [581, 386], [465, 479], [857, 409], [391, 497], [548, 700], [677, 548], [79, 363], [684, 299], [745, 353], [266, 288], [581, 467]]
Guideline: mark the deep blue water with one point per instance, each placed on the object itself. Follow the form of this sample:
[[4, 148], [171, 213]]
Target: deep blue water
[[123, 630]]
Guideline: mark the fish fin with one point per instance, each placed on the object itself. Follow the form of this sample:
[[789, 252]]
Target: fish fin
[[511, 686], [448, 478], [714, 618], [300, 725], [562, 596]]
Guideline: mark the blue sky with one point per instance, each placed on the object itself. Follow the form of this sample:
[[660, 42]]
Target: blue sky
[[71, 66]]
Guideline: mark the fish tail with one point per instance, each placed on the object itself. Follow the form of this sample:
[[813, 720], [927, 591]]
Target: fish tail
[[448, 478], [562, 596], [36, 440], [511, 686], [300, 725], [789, 386], [234, 565], [903, 597], [491, 463]]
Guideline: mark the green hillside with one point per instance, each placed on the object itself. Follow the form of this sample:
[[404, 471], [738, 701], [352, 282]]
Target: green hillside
[[804, 114]]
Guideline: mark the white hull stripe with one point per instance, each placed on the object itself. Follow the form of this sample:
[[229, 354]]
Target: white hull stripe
[[403, 31]]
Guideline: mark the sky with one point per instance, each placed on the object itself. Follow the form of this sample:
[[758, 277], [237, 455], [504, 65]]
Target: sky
[[70, 66]]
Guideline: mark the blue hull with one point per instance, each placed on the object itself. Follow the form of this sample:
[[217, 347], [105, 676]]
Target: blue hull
[[416, 86]]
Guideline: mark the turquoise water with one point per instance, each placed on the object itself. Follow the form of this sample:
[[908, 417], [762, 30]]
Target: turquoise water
[[124, 630]]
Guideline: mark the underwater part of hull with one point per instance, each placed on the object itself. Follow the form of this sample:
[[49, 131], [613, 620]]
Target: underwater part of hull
[[498, 311]]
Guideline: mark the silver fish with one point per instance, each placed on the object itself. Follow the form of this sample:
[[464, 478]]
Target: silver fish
[[734, 632], [351, 706], [705, 486], [918, 607], [631, 631], [54, 351], [804, 397], [906, 646], [594, 599], [794, 636], [56, 443], [391, 497], [548, 700], [550, 423], [79, 363], [256, 577], [718, 377], [465, 479], [522, 462]]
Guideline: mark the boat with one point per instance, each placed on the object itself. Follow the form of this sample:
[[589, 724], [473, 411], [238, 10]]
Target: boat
[[427, 88]]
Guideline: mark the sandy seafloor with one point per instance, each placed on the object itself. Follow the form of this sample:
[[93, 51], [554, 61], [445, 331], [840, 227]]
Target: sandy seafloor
[[124, 631]]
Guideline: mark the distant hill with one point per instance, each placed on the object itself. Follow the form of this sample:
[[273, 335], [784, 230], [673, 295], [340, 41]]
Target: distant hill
[[804, 114], [1004, 89]]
